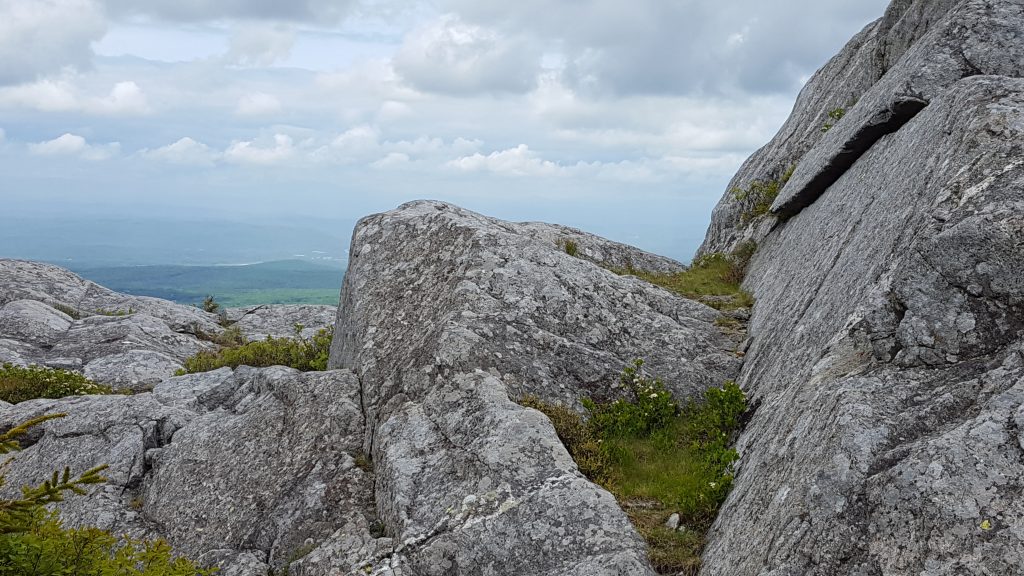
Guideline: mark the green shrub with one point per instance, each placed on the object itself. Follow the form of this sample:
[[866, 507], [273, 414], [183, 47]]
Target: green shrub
[[760, 195], [658, 458], [650, 408], [33, 542], [18, 384], [210, 305], [306, 354]]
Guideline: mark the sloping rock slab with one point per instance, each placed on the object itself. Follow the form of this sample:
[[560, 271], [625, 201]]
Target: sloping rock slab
[[888, 350]]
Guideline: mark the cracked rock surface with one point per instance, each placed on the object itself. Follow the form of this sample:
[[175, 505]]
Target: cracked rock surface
[[240, 469]]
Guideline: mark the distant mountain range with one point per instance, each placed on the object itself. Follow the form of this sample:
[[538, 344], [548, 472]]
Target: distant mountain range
[[278, 282]]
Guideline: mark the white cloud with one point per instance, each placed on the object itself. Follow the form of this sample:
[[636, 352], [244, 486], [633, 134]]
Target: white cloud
[[258, 104], [450, 56], [392, 160], [518, 161], [61, 95], [74, 145], [124, 98], [250, 152], [185, 151], [260, 44], [39, 37]]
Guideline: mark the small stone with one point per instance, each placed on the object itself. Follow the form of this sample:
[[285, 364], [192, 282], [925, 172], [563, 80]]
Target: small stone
[[673, 522]]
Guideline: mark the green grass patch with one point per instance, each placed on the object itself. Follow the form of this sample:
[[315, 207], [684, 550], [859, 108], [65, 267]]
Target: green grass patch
[[306, 354], [713, 279], [658, 458], [18, 384]]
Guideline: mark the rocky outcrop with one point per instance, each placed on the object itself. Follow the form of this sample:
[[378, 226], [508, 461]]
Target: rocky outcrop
[[127, 342], [446, 317], [888, 336], [413, 459], [245, 468]]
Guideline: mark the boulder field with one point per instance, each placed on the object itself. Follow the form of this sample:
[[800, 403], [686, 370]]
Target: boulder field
[[885, 353]]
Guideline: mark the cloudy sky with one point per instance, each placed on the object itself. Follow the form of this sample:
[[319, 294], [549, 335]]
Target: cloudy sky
[[626, 117]]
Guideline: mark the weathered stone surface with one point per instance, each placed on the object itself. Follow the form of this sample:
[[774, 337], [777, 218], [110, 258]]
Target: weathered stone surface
[[240, 468], [279, 320], [434, 290], [32, 322], [445, 316], [888, 337], [135, 370]]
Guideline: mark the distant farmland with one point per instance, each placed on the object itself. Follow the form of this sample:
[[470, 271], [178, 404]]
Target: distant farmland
[[281, 282]]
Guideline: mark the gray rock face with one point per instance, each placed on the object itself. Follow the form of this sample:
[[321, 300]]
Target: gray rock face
[[33, 322], [279, 320], [239, 469], [134, 370], [445, 316], [888, 335]]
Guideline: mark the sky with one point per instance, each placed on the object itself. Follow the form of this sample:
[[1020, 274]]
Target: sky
[[623, 117]]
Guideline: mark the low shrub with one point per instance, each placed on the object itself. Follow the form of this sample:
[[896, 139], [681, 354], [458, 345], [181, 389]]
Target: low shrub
[[306, 354], [658, 458], [34, 542], [571, 247], [18, 384], [210, 305], [760, 195]]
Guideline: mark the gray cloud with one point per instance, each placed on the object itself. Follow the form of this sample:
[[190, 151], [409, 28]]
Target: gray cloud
[[43, 36], [318, 11], [451, 56], [681, 47]]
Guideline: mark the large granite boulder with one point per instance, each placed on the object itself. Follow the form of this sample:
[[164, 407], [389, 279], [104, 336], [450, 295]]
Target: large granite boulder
[[448, 316], [888, 335]]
